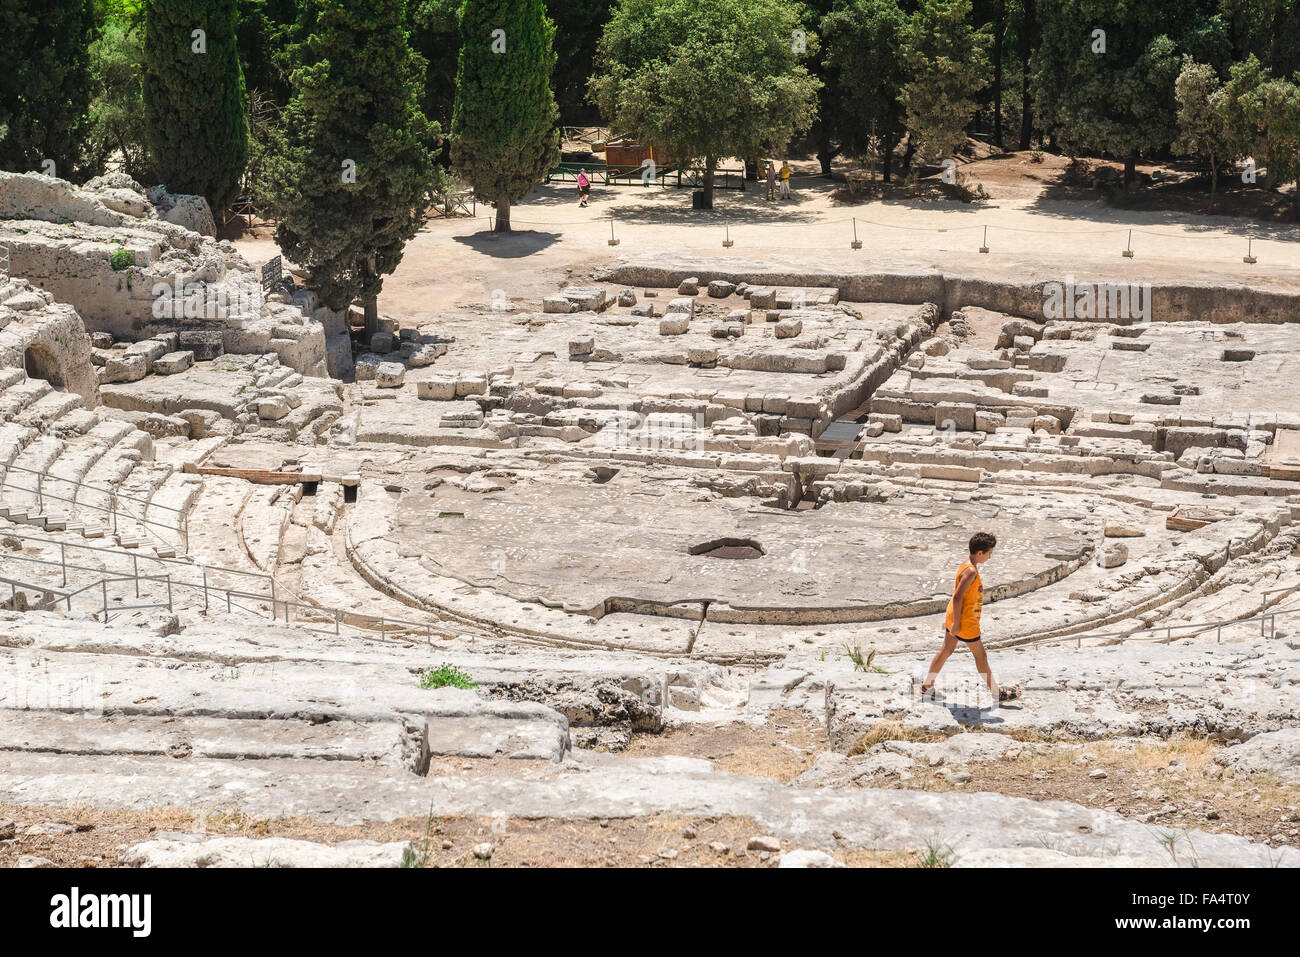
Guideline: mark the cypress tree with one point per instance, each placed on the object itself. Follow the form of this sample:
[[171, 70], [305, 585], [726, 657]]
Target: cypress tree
[[194, 98], [349, 186], [504, 137], [45, 86]]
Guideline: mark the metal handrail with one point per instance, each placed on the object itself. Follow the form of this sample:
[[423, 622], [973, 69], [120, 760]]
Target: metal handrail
[[186, 562], [182, 528], [102, 584], [94, 488], [64, 565], [1263, 607], [385, 624], [17, 583], [1267, 622]]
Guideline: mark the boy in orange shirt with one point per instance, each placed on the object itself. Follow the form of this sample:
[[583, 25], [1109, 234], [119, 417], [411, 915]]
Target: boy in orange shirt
[[963, 621]]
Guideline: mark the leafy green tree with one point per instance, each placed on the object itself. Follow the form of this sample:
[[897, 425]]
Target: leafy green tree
[[947, 63], [1024, 22], [349, 189], [862, 40], [1202, 117], [1238, 121], [821, 132], [503, 134], [45, 85], [578, 26], [1262, 119], [194, 98], [1119, 100], [706, 79], [1268, 29], [117, 125]]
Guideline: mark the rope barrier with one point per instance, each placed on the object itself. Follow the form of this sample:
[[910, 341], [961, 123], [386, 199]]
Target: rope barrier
[[856, 240]]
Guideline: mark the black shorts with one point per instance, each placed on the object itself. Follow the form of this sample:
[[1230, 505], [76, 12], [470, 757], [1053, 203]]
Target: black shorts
[[964, 641]]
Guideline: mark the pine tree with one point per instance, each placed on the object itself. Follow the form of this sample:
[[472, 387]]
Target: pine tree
[[861, 39], [45, 85], [947, 61], [503, 130], [194, 98], [350, 187]]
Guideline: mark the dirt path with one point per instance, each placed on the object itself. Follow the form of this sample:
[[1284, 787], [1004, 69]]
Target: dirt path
[[457, 262]]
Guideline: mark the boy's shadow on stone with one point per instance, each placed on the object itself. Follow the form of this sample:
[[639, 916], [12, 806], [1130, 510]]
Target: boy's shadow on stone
[[973, 714]]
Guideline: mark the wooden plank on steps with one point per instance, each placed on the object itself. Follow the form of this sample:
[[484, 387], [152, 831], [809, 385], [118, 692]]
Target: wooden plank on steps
[[265, 476]]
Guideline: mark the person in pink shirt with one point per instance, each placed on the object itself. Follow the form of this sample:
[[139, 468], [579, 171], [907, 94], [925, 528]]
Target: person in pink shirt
[[584, 187]]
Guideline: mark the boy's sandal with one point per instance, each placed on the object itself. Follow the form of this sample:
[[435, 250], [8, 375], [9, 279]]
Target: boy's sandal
[[932, 693], [1005, 695]]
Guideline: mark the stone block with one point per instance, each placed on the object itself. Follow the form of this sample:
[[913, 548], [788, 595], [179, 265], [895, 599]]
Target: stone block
[[425, 355], [951, 473], [149, 349], [173, 362], [443, 390], [675, 324], [789, 328], [888, 422], [202, 422], [721, 289], [591, 298], [125, 368], [367, 367], [206, 345], [689, 287], [471, 385], [390, 375], [804, 408], [775, 403], [961, 415], [272, 408], [1113, 555]]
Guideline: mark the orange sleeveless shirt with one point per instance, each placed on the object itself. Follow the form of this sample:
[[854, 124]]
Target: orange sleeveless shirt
[[971, 607]]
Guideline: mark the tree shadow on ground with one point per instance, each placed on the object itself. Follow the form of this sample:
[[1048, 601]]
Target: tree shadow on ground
[[731, 206], [512, 245], [1181, 198]]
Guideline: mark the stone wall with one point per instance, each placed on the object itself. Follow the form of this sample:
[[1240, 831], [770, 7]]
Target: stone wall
[[132, 265], [46, 338], [1205, 301]]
